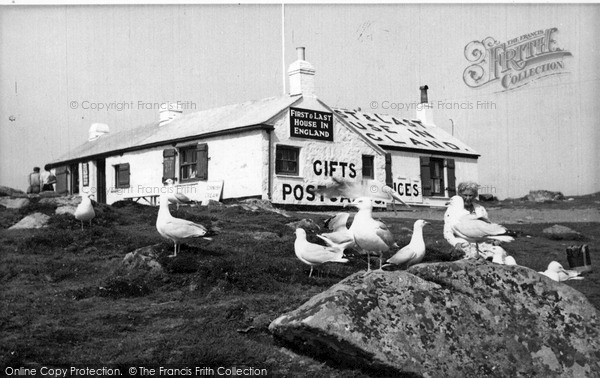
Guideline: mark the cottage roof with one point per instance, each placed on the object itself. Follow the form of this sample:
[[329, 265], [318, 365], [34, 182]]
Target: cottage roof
[[397, 133], [225, 119]]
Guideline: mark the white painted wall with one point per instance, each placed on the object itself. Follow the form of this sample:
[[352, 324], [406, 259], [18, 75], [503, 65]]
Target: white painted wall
[[348, 147], [237, 160], [406, 168]]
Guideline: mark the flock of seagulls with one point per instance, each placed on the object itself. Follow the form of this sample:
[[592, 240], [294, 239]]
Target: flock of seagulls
[[370, 236]]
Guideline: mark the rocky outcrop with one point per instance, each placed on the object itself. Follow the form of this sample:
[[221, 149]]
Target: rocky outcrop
[[35, 220], [11, 192], [544, 196], [14, 203], [558, 232], [457, 319], [143, 259]]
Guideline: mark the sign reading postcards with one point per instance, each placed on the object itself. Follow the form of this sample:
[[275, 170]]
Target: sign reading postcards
[[311, 124]]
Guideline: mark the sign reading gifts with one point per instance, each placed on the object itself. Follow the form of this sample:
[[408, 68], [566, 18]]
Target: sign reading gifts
[[311, 124]]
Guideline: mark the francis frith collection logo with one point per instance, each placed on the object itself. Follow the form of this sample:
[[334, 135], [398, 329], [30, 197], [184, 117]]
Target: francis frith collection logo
[[514, 63]]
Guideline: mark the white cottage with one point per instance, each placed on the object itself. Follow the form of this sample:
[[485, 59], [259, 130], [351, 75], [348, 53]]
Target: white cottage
[[280, 148]]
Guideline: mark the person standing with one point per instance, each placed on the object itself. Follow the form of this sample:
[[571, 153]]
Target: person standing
[[48, 180], [34, 180]]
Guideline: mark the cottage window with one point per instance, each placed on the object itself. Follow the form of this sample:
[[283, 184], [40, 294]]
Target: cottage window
[[286, 160], [193, 163], [122, 175], [438, 177], [368, 169]]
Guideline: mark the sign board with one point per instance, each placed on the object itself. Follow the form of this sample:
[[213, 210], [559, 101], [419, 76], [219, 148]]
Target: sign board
[[311, 124], [409, 189], [213, 191]]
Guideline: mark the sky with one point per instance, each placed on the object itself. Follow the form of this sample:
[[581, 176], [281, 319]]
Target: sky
[[63, 68]]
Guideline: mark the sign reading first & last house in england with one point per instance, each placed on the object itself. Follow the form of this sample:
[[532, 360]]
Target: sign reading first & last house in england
[[311, 124]]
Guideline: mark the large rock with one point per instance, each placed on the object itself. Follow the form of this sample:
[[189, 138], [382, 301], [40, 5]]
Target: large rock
[[14, 203], [144, 259], [544, 196], [61, 201], [35, 220], [457, 319], [7, 191], [558, 232]]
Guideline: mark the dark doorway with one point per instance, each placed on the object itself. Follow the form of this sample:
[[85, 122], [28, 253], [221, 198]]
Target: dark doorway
[[101, 180]]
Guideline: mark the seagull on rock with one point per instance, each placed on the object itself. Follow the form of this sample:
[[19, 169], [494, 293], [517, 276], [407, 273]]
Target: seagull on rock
[[476, 230], [314, 254], [556, 272], [85, 211], [414, 252], [176, 197], [175, 229], [370, 235], [501, 257], [340, 232]]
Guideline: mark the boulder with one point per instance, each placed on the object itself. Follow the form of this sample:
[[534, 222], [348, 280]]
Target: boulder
[[451, 319], [61, 201], [66, 210], [558, 232], [144, 259], [544, 196], [307, 224], [11, 192], [35, 220], [14, 203]]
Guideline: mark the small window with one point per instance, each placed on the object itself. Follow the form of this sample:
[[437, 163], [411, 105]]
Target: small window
[[437, 177], [368, 169], [188, 163], [122, 175], [286, 160], [193, 162], [85, 169]]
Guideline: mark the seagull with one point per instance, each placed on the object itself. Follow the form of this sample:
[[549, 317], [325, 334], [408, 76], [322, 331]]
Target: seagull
[[476, 230], [501, 257], [370, 235], [341, 233], [314, 254], [85, 211], [556, 272], [178, 230], [176, 197], [412, 253]]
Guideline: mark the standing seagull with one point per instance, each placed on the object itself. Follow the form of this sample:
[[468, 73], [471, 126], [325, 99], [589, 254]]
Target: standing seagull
[[178, 230], [370, 235], [414, 252], [85, 211], [556, 272], [476, 230], [315, 254]]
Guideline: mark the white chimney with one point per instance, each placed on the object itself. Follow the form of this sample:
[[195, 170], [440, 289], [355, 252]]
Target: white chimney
[[425, 109], [302, 76], [97, 130], [168, 112]]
